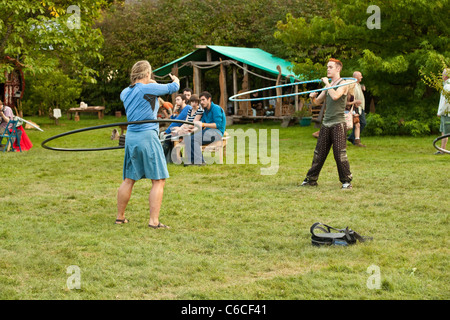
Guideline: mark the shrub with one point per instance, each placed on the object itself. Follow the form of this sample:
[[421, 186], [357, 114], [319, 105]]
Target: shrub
[[416, 128], [374, 125], [378, 125]]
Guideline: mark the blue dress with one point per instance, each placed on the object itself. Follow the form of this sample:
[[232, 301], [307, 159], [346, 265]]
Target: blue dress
[[144, 156]]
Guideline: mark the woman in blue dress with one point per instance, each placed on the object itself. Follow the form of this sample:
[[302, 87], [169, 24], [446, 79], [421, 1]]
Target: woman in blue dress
[[144, 156]]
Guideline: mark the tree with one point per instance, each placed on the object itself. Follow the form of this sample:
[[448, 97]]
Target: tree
[[45, 35], [162, 31], [50, 91], [411, 34]]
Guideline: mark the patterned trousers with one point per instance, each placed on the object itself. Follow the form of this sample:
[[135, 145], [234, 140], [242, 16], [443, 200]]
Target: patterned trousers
[[331, 136]]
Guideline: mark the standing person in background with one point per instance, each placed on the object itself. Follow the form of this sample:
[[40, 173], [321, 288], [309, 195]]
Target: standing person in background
[[187, 93], [144, 157], [444, 111], [359, 104]]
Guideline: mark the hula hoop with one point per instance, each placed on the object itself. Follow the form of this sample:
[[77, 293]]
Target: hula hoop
[[43, 144], [234, 98], [440, 138]]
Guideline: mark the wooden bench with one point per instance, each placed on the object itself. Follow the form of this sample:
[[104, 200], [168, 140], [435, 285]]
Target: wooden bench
[[218, 147], [100, 112]]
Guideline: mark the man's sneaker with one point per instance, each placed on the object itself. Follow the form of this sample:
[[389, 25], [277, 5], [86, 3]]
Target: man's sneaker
[[347, 186], [438, 153], [308, 183]]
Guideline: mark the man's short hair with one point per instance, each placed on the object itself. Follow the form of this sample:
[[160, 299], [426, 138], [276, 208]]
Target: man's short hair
[[187, 89], [205, 94], [182, 95], [337, 62]]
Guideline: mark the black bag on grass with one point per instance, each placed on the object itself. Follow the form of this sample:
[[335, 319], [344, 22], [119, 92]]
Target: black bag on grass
[[343, 237]]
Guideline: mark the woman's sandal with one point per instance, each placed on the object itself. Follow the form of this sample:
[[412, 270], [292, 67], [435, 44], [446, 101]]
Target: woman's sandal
[[159, 226], [121, 221]]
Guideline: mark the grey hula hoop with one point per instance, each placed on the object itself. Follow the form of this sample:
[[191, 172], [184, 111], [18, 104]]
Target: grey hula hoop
[[440, 138], [234, 98], [44, 143]]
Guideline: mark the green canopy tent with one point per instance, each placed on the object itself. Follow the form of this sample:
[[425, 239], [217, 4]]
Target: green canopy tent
[[263, 64]]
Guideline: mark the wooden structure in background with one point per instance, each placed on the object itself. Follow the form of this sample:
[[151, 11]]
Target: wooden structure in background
[[230, 60], [100, 110], [11, 92]]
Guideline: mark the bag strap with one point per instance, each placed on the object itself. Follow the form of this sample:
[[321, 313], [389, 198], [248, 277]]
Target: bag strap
[[360, 237], [330, 227], [349, 233], [320, 116], [318, 225]]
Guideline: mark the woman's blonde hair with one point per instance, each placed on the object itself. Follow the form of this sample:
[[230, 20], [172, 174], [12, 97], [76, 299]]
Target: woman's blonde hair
[[140, 70], [351, 89]]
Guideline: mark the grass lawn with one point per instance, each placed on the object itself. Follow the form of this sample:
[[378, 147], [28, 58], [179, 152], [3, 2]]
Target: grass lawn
[[235, 234]]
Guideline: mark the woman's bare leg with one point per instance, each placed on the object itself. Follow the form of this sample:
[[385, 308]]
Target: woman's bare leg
[[123, 196], [155, 200]]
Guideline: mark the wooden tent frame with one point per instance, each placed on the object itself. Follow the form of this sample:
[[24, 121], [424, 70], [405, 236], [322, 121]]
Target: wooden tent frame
[[242, 109]]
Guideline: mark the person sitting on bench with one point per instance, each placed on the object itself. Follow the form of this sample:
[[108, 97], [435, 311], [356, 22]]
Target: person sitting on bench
[[213, 128]]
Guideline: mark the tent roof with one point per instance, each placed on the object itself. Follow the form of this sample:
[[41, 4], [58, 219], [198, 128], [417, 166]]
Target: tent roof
[[251, 56]]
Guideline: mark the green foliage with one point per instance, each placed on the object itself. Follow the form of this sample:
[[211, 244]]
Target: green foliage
[[413, 34], [162, 31], [305, 111], [374, 125], [416, 128], [392, 125], [52, 90], [435, 81], [45, 34]]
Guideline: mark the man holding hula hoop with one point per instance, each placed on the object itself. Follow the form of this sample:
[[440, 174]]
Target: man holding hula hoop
[[333, 130]]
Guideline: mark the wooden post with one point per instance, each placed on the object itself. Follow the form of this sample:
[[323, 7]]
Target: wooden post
[[235, 88], [278, 93], [245, 88], [223, 87], [197, 80], [175, 73], [296, 98]]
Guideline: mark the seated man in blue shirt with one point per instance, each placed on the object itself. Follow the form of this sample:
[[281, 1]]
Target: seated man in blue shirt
[[213, 128], [182, 109]]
